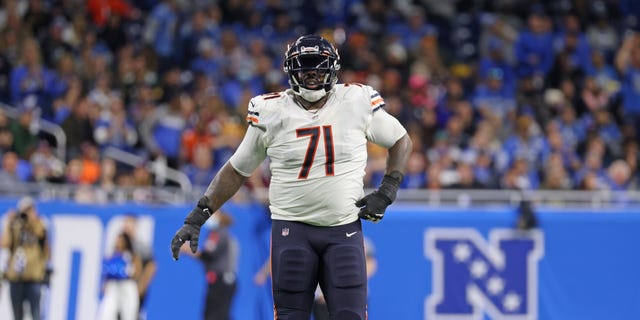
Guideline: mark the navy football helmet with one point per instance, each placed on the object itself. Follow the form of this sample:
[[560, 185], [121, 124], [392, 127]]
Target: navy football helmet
[[307, 53]]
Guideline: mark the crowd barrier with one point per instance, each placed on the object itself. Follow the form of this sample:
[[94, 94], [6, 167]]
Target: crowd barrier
[[444, 263]]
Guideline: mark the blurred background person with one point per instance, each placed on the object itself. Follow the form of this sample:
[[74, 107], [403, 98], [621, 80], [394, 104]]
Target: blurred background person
[[219, 256], [25, 238], [120, 271], [149, 266]]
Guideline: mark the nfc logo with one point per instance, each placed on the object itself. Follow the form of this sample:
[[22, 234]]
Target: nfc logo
[[471, 276]]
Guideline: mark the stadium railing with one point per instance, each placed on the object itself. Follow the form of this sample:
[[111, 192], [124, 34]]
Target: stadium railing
[[421, 197], [131, 159]]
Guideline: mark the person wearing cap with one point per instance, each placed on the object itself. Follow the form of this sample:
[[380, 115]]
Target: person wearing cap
[[496, 59], [25, 238], [25, 128], [495, 102]]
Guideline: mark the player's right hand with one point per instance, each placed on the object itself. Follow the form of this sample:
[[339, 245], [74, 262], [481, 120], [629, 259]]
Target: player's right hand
[[190, 230]]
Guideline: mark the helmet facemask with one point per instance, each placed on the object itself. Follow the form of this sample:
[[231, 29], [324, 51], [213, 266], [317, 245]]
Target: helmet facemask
[[311, 64]]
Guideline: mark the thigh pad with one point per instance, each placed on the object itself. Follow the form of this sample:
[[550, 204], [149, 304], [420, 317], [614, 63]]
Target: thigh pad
[[346, 266], [297, 269]]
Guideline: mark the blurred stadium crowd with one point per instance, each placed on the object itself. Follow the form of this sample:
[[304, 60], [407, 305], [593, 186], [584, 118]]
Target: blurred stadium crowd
[[515, 94]]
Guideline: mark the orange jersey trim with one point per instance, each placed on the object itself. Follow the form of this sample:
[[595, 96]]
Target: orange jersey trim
[[377, 102], [252, 119]]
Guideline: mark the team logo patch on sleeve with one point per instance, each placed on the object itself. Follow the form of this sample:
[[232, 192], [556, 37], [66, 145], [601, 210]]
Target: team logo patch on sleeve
[[376, 101]]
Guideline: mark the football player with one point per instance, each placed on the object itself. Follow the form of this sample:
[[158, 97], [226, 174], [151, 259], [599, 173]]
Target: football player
[[315, 135]]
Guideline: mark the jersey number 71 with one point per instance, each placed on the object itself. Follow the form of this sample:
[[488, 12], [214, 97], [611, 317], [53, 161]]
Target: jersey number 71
[[314, 134]]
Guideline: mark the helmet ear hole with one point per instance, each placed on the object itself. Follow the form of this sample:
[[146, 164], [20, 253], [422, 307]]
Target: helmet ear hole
[[311, 52]]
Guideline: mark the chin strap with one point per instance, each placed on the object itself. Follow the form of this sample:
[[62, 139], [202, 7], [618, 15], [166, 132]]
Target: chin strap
[[311, 95]]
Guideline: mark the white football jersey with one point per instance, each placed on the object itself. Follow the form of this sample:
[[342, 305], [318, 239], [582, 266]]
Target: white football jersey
[[317, 157]]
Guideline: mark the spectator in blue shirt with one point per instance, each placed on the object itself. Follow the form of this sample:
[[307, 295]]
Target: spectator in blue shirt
[[252, 27], [618, 176], [593, 164], [628, 64], [558, 147], [119, 275], [161, 30], [631, 11], [114, 129], [201, 170], [207, 62], [526, 144], [496, 60], [338, 12], [448, 102], [484, 171], [415, 177], [494, 102], [161, 132], [605, 75], [572, 129], [520, 176], [534, 46], [571, 39], [65, 73], [13, 170], [481, 153], [32, 78], [601, 32], [200, 28], [572, 60], [555, 175], [413, 29], [282, 34], [601, 121]]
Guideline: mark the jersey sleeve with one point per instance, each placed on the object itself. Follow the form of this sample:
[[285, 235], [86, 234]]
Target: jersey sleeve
[[383, 129], [252, 150], [253, 114], [377, 102]]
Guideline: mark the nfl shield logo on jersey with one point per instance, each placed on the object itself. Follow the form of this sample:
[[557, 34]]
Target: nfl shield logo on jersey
[[472, 276], [285, 232]]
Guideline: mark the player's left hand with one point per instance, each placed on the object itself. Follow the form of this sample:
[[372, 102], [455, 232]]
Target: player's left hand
[[373, 206]]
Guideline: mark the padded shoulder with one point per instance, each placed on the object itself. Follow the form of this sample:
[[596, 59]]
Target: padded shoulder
[[371, 97], [263, 106]]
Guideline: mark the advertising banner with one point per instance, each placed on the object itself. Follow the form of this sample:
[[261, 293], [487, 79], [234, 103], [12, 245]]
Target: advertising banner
[[444, 263]]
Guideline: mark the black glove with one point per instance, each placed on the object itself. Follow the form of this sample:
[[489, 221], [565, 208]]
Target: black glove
[[190, 230], [373, 205]]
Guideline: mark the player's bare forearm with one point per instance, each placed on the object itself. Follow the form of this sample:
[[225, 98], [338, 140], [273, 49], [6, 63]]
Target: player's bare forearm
[[223, 186], [373, 205], [399, 154]]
